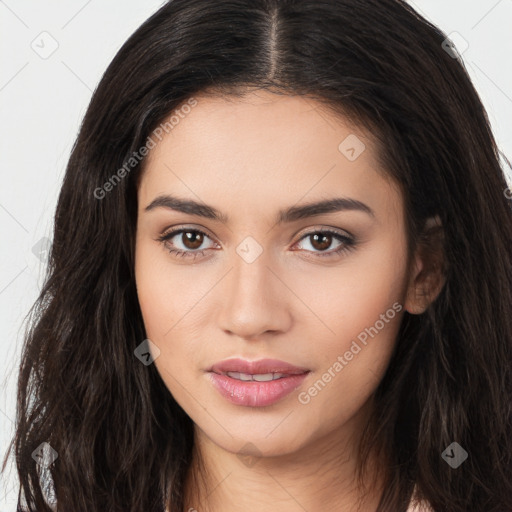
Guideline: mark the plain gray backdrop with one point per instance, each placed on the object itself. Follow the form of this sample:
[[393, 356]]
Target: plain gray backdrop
[[54, 54]]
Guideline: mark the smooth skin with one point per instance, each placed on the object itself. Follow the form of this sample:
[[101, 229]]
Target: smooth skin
[[249, 158]]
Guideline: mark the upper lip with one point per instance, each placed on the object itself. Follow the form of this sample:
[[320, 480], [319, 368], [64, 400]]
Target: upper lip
[[261, 366]]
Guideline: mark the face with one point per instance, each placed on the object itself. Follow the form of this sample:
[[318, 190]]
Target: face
[[320, 289]]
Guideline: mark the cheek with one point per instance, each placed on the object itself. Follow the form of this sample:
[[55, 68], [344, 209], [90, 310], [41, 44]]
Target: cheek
[[351, 364], [166, 292], [161, 312], [169, 305], [153, 292], [361, 310], [351, 297]]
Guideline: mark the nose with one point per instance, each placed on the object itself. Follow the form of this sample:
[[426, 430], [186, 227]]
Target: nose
[[256, 299]]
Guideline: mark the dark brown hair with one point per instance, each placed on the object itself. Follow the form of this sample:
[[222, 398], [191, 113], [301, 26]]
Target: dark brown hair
[[123, 443]]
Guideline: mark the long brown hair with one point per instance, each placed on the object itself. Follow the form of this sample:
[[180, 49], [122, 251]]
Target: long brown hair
[[123, 443]]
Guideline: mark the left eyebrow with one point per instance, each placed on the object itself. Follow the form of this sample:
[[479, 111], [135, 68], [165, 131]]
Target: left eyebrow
[[287, 215]]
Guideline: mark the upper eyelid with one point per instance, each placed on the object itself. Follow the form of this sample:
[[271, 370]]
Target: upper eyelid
[[320, 229]]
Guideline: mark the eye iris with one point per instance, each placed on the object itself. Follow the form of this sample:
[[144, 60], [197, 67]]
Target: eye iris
[[323, 245], [194, 238]]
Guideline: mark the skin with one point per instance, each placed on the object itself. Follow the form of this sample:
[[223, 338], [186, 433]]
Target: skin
[[250, 157]]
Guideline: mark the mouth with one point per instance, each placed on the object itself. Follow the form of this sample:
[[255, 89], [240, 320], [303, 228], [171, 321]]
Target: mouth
[[256, 383]]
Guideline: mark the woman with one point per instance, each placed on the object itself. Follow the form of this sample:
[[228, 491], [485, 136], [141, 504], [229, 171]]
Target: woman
[[281, 274]]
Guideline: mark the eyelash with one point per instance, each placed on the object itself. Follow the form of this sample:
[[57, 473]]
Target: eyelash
[[347, 245]]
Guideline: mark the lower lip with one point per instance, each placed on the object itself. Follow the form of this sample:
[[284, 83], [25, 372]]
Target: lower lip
[[253, 393]]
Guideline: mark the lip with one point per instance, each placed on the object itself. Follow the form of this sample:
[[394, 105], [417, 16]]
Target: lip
[[256, 393], [254, 367]]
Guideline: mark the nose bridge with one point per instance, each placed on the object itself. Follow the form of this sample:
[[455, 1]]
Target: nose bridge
[[254, 301], [250, 274], [250, 279]]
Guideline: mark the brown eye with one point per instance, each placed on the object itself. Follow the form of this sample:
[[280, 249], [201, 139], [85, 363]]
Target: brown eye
[[321, 241], [185, 242], [192, 239]]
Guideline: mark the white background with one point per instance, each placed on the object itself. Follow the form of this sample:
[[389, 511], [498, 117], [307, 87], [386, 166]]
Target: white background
[[42, 102]]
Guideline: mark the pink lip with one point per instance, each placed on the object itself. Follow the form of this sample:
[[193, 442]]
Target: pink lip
[[253, 393], [254, 367]]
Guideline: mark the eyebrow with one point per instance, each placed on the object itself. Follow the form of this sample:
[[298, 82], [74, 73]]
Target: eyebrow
[[283, 216]]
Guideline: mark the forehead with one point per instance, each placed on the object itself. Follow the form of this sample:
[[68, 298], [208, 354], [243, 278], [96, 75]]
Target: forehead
[[261, 148], [253, 121]]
